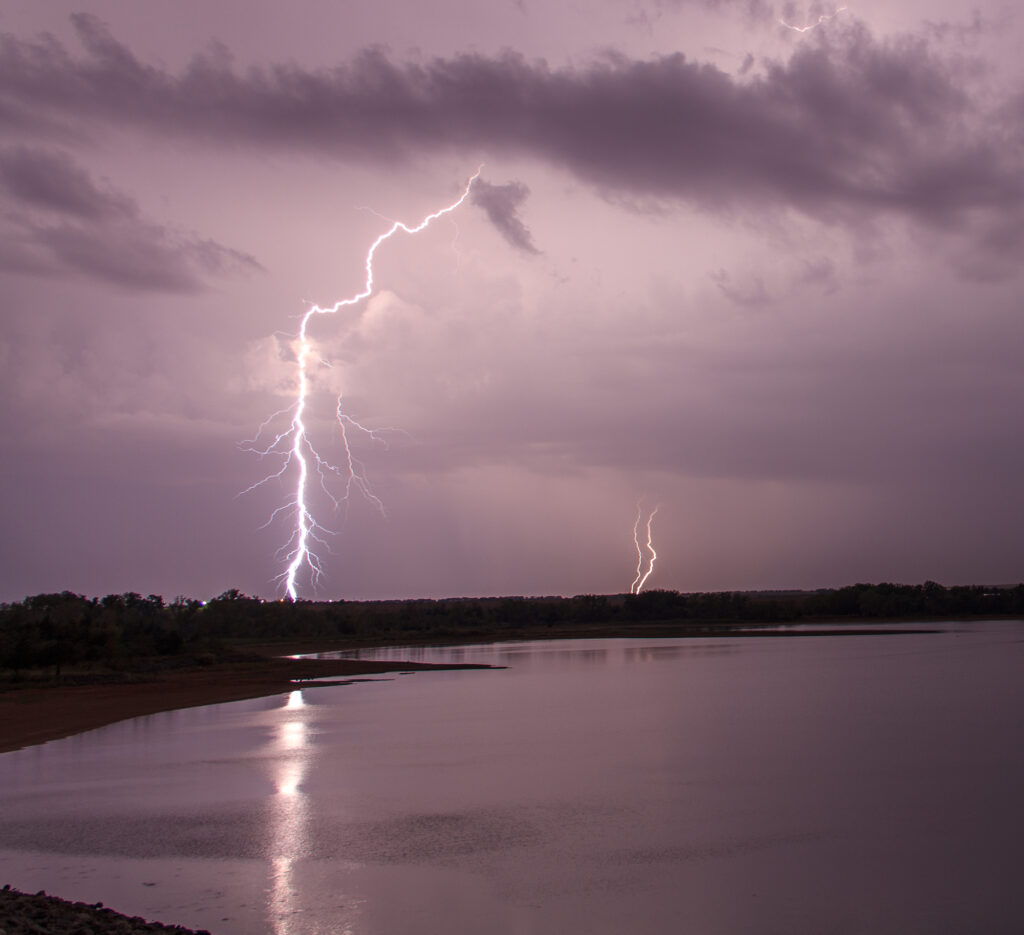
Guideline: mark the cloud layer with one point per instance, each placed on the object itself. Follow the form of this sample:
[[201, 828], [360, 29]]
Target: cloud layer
[[848, 125]]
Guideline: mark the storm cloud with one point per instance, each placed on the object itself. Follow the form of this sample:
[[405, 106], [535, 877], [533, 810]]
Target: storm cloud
[[768, 278], [849, 124]]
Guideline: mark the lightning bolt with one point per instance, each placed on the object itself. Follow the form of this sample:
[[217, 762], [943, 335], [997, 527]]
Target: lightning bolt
[[821, 19], [641, 575], [293, 444]]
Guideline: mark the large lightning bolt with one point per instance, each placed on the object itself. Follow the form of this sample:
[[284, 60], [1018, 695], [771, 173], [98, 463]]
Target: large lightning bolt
[[821, 19], [296, 450], [641, 575]]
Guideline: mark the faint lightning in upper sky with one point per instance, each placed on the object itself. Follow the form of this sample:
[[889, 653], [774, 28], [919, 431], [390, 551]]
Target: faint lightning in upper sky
[[821, 19], [293, 445], [641, 575]]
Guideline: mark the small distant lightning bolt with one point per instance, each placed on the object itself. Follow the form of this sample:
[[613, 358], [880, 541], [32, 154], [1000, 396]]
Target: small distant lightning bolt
[[641, 575], [294, 446], [821, 19]]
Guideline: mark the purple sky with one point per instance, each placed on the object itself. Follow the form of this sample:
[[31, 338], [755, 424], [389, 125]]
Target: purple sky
[[766, 278]]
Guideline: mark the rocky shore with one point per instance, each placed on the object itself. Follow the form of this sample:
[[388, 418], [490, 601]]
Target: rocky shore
[[25, 914]]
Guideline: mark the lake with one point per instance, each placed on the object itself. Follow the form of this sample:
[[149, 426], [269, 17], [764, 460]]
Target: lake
[[844, 784]]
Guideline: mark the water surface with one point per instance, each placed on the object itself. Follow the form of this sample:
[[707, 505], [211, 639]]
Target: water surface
[[819, 785]]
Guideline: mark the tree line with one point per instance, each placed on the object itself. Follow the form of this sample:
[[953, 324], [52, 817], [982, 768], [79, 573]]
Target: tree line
[[124, 630]]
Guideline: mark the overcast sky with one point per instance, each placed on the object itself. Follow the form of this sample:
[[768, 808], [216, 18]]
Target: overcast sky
[[766, 277]]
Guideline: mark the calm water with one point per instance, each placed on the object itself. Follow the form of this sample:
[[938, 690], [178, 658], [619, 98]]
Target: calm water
[[856, 784]]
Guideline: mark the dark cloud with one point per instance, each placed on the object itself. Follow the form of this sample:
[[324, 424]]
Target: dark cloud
[[778, 407], [848, 127], [856, 123], [59, 222], [501, 204], [50, 179], [139, 256]]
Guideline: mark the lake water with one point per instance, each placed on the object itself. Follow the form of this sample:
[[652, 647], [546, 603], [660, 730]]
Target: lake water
[[848, 784]]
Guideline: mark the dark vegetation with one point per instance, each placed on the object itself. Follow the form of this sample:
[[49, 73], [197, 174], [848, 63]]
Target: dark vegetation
[[72, 634]]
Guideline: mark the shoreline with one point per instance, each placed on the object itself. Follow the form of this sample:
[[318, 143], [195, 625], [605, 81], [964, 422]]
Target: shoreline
[[35, 714]]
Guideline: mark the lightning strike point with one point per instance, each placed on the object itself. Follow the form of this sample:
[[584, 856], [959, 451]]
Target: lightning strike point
[[641, 575], [294, 447]]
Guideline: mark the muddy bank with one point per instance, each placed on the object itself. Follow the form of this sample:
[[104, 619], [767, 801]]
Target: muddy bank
[[36, 713]]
